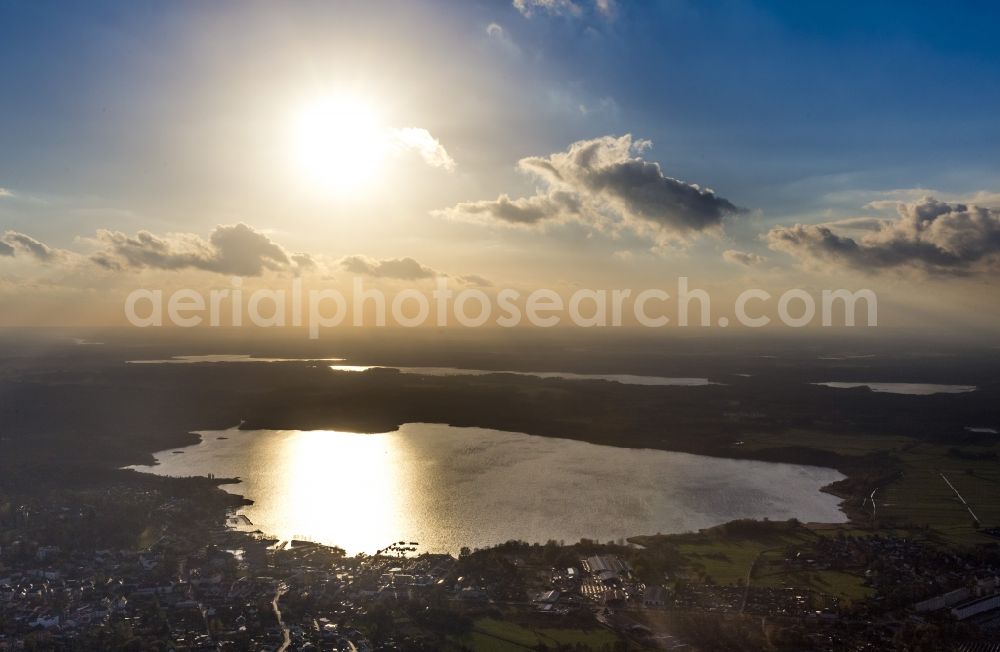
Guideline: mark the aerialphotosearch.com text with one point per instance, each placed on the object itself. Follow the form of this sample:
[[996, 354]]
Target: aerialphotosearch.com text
[[318, 309]]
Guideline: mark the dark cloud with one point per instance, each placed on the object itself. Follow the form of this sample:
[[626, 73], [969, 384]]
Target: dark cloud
[[402, 268], [928, 235], [235, 249], [241, 250], [605, 182], [107, 261], [12, 242], [743, 257]]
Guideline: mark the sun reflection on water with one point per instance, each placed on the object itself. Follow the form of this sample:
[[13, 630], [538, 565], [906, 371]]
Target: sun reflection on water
[[334, 486]]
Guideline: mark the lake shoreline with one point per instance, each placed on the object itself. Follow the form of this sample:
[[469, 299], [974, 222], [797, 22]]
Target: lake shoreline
[[748, 478]]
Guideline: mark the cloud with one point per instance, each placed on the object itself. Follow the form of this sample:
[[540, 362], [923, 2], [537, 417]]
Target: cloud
[[743, 257], [928, 235], [858, 223], [498, 35], [405, 268], [402, 268], [12, 242], [524, 210], [4, 192], [605, 182], [554, 7], [888, 200], [423, 143], [562, 7], [475, 279], [234, 249], [606, 7]]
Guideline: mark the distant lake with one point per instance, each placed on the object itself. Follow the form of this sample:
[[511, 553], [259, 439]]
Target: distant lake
[[222, 357], [917, 389], [447, 487], [625, 379]]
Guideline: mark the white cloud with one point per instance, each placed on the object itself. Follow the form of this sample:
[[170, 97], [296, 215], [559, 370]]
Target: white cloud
[[498, 35], [423, 143], [562, 7], [555, 7]]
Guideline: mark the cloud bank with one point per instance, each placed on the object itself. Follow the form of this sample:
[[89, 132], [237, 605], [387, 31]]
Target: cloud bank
[[605, 182], [401, 268], [13, 242], [406, 269], [234, 249], [743, 257], [476, 279], [929, 236]]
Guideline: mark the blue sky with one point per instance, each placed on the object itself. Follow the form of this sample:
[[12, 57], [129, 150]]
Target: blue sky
[[167, 117], [753, 97], [757, 96]]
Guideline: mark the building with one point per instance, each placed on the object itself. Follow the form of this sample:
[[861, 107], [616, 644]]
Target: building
[[976, 607], [654, 596]]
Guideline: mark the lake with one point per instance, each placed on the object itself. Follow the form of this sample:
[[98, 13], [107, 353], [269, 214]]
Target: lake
[[225, 357], [447, 487], [624, 379], [915, 389]]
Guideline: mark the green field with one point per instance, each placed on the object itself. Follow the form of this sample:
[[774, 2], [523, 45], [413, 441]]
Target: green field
[[724, 558], [491, 635], [918, 496]]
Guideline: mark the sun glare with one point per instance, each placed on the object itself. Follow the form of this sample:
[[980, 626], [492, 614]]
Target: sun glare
[[339, 143]]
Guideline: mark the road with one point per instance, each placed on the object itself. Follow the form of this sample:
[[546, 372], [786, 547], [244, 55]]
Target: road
[[285, 633], [967, 506]]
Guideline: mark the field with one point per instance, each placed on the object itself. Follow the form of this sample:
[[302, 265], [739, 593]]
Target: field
[[725, 556], [491, 635], [917, 495]]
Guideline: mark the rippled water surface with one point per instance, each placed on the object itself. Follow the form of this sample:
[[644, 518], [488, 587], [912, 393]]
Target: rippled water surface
[[450, 487]]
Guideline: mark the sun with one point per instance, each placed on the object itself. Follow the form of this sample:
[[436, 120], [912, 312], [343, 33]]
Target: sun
[[339, 142]]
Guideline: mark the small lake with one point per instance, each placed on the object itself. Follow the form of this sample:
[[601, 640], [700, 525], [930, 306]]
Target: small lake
[[624, 379], [915, 389], [222, 357], [447, 487]]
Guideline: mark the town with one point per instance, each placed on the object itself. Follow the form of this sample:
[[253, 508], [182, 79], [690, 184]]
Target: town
[[157, 564]]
